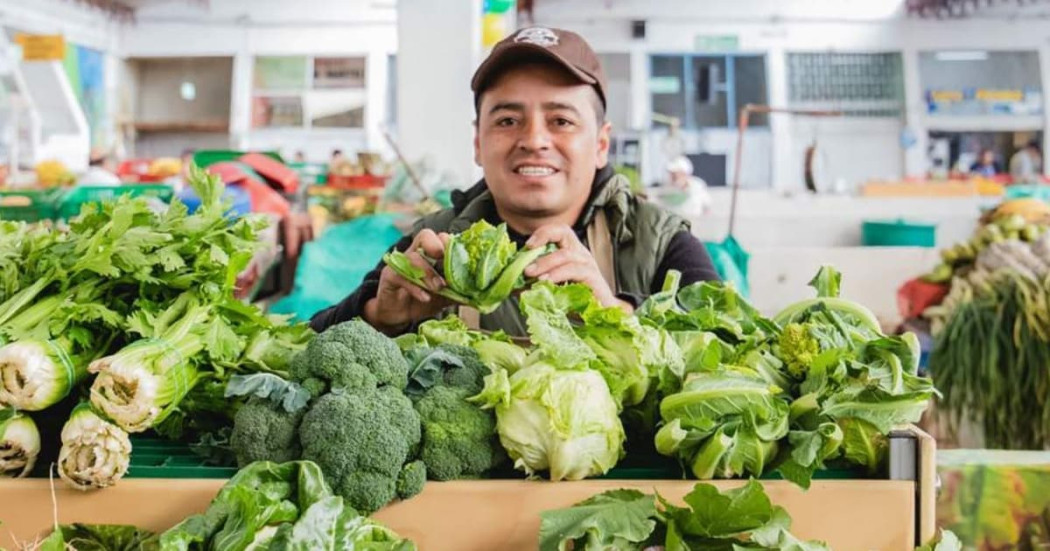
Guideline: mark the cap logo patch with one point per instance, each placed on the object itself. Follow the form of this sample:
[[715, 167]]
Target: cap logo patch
[[539, 36]]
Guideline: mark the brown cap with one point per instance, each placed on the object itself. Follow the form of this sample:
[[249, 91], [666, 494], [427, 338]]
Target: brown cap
[[565, 48]]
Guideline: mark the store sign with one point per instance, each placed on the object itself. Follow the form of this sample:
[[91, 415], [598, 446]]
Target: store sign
[[665, 85], [716, 43], [1001, 95], [42, 47]]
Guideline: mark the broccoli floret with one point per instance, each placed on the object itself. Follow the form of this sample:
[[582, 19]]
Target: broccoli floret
[[459, 438], [445, 365], [470, 375], [264, 431], [361, 439], [350, 355], [411, 480], [797, 348]]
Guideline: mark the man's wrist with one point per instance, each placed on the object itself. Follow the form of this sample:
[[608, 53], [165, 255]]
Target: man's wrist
[[371, 315]]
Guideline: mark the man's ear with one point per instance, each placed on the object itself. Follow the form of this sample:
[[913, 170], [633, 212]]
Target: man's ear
[[604, 137], [477, 145]]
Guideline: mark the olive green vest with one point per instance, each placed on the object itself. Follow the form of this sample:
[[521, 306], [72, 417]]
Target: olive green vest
[[640, 232]]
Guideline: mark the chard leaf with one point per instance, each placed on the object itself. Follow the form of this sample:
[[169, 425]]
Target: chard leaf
[[606, 521], [827, 282], [721, 515]]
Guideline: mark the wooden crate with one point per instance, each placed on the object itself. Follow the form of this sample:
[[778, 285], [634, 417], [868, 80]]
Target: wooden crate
[[850, 515]]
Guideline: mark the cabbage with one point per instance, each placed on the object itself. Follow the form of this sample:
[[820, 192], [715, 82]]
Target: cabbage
[[556, 420]]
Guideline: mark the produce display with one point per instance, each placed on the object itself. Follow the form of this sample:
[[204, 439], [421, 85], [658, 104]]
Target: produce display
[[992, 330], [125, 323], [817, 384], [481, 266], [629, 520], [264, 506]]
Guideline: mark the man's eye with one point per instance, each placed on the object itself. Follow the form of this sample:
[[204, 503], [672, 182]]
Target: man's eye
[[506, 121], [563, 122]]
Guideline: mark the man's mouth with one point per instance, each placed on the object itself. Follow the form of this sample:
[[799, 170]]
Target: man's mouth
[[535, 170]]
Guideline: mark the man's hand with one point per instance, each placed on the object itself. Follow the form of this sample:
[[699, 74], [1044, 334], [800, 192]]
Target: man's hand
[[572, 262], [398, 302]]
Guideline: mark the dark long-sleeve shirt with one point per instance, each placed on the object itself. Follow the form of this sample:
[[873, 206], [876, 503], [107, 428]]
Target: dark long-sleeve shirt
[[684, 253]]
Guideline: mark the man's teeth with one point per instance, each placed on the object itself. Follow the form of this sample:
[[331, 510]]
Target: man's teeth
[[535, 171]]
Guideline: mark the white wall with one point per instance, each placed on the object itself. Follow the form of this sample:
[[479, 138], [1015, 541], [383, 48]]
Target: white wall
[[776, 27], [243, 29]]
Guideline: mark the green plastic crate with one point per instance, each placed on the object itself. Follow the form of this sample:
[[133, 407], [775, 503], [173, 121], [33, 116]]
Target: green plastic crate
[[30, 205], [156, 458], [208, 157], [78, 197], [898, 233]]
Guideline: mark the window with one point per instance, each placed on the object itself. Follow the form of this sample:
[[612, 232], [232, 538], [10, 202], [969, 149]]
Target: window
[[704, 91], [859, 85], [309, 92], [980, 83]]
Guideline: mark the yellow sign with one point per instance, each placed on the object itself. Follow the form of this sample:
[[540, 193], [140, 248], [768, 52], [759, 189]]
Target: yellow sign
[[946, 95], [42, 47], [1001, 95]]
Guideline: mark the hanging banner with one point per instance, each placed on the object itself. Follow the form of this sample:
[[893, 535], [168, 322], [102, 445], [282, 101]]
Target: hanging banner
[[42, 47]]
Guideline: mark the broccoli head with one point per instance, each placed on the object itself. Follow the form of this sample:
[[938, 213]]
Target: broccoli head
[[264, 431], [459, 438], [797, 348], [361, 440], [350, 355], [450, 365], [411, 480]]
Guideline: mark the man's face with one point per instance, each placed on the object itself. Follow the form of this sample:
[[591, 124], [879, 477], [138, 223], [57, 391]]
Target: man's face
[[539, 141]]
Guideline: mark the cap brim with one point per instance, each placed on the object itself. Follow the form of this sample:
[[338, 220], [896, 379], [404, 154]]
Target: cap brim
[[509, 55]]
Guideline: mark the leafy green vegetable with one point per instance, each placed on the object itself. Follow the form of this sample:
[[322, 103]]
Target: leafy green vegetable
[[279, 506], [617, 519], [19, 443], [481, 266], [723, 424], [290, 396], [140, 385], [95, 453], [628, 520], [103, 537], [558, 420]]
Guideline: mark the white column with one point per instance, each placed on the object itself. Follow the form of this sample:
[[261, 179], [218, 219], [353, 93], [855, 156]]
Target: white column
[[783, 176], [1044, 67], [439, 47], [241, 99], [376, 68], [915, 163]]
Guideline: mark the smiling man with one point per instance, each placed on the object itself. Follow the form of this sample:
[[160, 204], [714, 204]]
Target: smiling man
[[542, 141]]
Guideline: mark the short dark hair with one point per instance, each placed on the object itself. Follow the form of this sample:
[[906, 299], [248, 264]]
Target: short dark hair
[[596, 98]]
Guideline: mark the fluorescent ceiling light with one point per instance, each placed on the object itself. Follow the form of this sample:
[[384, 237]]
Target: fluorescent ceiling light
[[962, 55]]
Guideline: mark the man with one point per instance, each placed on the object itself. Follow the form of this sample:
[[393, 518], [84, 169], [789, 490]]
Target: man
[[98, 172], [685, 194], [542, 141], [1026, 166]]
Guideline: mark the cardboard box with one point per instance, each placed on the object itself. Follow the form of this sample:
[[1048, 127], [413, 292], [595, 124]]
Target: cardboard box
[[850, 515]]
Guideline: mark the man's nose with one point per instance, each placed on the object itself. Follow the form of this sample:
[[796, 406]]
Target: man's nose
[[534, 136]]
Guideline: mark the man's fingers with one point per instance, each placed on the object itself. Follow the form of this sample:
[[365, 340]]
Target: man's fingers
[[405, 289], [548, 262], [570, 272], [560, 235], [430, 243]]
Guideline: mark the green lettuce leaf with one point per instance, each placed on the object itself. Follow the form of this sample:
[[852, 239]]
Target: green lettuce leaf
[[618, 519]]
